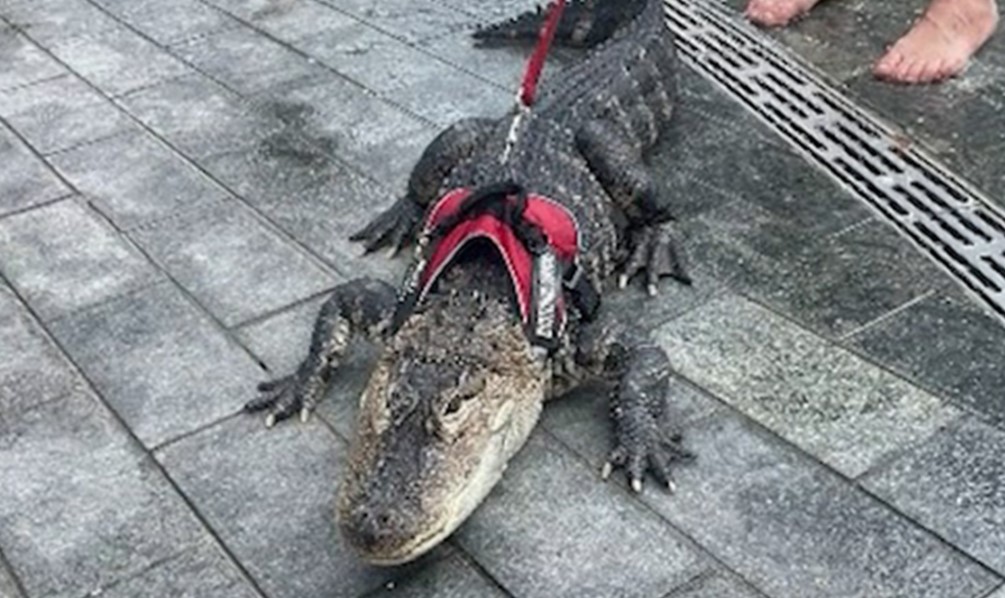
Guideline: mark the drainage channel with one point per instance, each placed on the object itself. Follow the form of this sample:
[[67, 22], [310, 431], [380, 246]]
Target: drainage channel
[[946, 217]]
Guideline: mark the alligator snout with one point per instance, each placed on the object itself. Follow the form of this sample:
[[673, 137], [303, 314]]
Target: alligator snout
[[382, 534]]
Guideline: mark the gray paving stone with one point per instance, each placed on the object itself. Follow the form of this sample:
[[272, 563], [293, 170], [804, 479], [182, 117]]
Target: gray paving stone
[[23, 62], [62, 257], [198, 116], [788, 526], [741, 245], [202, 571], [60, 113], [117, 60], [169, 22], [245, 61], [503, 66], [716, 586], [1000, 593], [281, 340], [410, 20], [370, 134], [49, 21], [269, 497], [452, 577], [159, 361], [32, 369], [135, 179], [840, 284], [407, 76], [295, 21], [8, 587], [86, 507], [835, 405], [946, 342], [550, 515], [235, 265], [304, 189], [25, 181], [953, 485]]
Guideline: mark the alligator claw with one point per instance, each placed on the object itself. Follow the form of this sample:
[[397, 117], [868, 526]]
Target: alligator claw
[[282, 397], [655, 255], [394, 227]]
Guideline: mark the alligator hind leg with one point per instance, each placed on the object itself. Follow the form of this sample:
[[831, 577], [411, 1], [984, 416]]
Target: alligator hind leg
[[616, 161], [360, 307], [644, 440], [398, 225]]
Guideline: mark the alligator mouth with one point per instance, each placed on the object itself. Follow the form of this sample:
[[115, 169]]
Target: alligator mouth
[[411, 551]]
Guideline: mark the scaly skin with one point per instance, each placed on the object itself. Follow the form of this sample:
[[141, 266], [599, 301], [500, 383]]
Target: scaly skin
[[459, 387]]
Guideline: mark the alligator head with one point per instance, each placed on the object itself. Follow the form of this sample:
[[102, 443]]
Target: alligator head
[[454, 395]]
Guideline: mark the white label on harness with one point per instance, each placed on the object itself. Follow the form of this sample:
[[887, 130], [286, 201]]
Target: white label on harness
[[547, 289]]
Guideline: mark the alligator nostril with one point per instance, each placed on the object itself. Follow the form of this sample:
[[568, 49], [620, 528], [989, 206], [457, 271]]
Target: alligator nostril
[[383, 519]]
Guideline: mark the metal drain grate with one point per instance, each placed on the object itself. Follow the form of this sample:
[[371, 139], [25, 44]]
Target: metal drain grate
[[942, 214]]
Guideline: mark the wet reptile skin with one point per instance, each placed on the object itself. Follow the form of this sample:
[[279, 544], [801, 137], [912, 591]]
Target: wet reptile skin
[[459, 387]]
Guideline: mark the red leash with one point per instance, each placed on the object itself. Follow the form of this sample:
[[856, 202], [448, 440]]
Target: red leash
[[536, 63]]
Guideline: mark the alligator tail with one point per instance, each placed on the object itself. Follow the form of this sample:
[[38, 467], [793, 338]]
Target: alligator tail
[[584, 24]]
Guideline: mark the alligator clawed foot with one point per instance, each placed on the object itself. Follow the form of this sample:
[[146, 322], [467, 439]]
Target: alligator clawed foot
[[283, 398], [393, 228], [651, 453], [655, 254]]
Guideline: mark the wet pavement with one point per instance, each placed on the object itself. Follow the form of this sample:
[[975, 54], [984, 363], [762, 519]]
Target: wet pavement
[[179, 182]]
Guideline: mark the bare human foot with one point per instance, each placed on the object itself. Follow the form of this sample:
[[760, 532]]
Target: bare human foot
[[776, 13], [939, 43]]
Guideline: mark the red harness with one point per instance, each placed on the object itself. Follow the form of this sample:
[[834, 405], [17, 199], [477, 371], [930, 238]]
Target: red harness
[[536, 238]]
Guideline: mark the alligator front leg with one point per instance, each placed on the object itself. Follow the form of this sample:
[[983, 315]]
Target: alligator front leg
[[360, 307], [616, 161], [639, 374], [398, 225]]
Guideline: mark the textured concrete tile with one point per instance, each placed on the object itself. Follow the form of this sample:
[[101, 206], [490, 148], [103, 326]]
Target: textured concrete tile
[[281, 340], [48, 21], [167, 22], [198, 116], [62, 257], [838, 407], [245, 61], [8, 588], [118, 60], [135, 179], [270, 498], [1000, 593], [720, 585], [32, 368], [372, 135], [953, 485], [790, 527], [411, 20], [303, 188], [838, 285], [503, 66], [294, 21], [550, 515], [60, 113], [450, 578], [160, 362], [407, 76], [23, 62], [946, 342], [235, 265], [25, 181], [81, 506], [202, 571], [741, 245]]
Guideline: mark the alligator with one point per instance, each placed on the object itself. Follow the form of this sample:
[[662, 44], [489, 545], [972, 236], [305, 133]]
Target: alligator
[[519, 222]]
